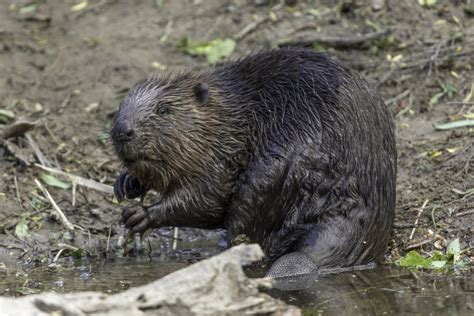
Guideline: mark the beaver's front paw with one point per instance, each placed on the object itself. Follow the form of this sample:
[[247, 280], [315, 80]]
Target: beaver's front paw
[[138, 218], [129, 187]]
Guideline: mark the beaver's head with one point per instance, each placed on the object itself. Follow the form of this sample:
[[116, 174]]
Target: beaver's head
[[168, 128]]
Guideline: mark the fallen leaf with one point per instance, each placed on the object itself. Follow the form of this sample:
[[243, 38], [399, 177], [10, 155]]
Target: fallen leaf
[[55, 182], [214, 50], [21, 229], [80, 6], [468, 97], [427, 3], [455, 124], [18, 128], [27, 9], [454, 249], [436, 154], [7, 114]]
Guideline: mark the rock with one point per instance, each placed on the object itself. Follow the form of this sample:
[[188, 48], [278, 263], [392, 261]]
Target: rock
[[377, 5]]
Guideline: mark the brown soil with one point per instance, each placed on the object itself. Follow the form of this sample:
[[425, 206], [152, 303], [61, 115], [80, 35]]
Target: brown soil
[[56, 63]]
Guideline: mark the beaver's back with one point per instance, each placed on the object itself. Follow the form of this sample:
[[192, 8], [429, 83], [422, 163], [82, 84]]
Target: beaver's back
[[321, 176]]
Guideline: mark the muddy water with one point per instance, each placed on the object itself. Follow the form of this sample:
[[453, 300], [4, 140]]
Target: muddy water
[[380, 291], [109, 275]]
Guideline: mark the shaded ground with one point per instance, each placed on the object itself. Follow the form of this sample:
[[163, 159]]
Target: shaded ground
[[69, 68]]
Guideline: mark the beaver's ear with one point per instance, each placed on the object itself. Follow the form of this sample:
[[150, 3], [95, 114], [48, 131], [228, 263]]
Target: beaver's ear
[[201, 92]]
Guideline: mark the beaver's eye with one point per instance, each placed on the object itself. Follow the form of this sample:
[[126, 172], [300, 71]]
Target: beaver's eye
[[162, 110]]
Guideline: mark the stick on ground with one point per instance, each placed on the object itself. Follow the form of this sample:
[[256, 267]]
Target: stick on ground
[[418, 218], [62, 216], [335, 41], [91, 184]]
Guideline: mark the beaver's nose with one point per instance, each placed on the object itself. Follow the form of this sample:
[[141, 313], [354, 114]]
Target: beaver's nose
[[121, 132]]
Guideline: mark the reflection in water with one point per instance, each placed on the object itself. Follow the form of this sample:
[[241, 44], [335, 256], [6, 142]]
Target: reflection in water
[[109, 276], [381, 291]]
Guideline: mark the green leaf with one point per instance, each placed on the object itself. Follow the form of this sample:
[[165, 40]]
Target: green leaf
[[413, 259], [55, 182], [454, 250], [220, 50], [27, 9], [21, 229], [454, 124], [435, 99], [437, 264], [159, 3], [78, 254], [214, 50], [427, 3], [319, 47], [6, 115], [449, 89], [103, 138], [80, 6]]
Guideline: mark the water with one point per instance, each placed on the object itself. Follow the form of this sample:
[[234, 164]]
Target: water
[[385, 290]]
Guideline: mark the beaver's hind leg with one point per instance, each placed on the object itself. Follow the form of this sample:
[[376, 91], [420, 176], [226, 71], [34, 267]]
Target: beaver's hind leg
[[338, 241]]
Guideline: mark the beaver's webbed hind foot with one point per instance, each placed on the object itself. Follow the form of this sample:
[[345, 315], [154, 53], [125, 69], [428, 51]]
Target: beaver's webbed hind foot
[[290, 265]]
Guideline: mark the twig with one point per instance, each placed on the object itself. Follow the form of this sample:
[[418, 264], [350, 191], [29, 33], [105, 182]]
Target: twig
[[420, 242], [79, 227], [91, 184], [42, 159], [424, 62], [336, 41], [468, 212], [386, 77], [58, 254], [433, 210], [108, 239], [250, 28], [175, 238], [66, 101], [90, 239], [62, 217], [67, 246], [74, 187], [50, 132], [398, 97], [92, 7], [167, 32], [311, 26], [17, 190], [418, 218]]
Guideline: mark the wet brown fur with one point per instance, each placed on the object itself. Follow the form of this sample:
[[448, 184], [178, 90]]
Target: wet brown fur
[[286, 147]]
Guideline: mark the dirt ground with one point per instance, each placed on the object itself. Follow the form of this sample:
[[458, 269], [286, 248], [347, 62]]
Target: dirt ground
[[68, 67]]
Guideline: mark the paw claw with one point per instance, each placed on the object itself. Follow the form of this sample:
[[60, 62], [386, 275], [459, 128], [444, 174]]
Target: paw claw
[[129, 187], [136, 218]]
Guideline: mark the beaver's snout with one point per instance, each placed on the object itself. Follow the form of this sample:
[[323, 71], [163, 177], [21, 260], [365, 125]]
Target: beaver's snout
[[122, 132]]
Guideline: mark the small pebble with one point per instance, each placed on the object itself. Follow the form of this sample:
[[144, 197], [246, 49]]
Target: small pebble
[[378, 5]]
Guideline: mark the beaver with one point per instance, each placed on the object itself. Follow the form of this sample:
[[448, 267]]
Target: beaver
[[287, 148]]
